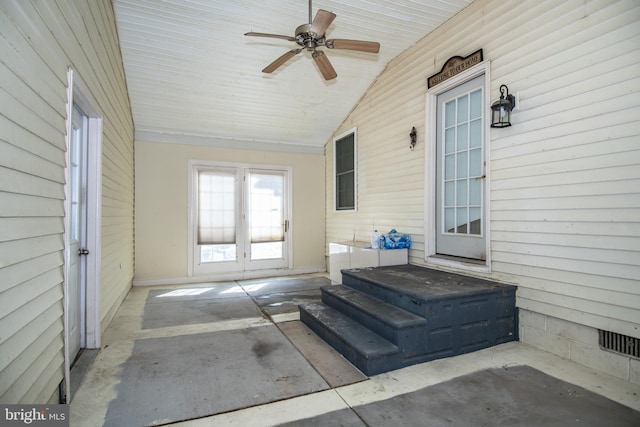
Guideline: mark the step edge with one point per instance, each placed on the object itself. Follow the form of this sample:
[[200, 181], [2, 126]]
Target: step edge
[[499, 287], [416, 320], [392, 349]]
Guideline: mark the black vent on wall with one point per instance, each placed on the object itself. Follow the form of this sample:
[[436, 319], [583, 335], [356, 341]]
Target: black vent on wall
[[619, 343]]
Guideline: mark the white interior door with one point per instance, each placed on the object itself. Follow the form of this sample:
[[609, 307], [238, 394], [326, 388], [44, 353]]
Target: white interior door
[[77, 209], [460, 176]]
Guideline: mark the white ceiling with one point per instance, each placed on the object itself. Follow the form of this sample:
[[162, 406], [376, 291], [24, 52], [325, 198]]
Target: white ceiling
[[193, 76]]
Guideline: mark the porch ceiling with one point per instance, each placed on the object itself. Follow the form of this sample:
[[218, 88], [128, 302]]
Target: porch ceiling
[[193, 76]]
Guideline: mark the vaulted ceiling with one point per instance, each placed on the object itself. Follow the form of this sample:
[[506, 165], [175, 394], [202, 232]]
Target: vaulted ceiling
[[194, 77]]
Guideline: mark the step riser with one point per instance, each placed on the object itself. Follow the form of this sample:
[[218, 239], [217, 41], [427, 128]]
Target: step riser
[[459, 323], [459, 339], [411, 341], [367, 365]]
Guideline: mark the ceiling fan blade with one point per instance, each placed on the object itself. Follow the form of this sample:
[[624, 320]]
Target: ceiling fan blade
[[359, 45], [273, 36], [327, 70], [281, 60], [321, 22]]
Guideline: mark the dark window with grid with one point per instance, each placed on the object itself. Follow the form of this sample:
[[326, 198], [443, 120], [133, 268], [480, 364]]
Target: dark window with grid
[[345, 191]]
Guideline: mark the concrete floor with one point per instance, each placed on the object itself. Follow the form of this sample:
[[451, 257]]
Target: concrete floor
[[235, 354]]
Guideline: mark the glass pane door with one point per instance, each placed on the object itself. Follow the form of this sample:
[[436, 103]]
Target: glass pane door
[[266, 218], [460, 177], [218, 208], [463, 165]]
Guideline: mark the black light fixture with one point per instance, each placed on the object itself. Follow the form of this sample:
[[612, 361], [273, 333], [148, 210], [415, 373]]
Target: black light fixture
[[413, 135], [501, 109]]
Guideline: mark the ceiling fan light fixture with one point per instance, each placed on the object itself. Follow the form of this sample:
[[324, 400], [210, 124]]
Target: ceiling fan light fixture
[[311, 36]]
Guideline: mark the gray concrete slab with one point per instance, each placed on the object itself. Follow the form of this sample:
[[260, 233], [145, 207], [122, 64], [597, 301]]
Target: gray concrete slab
[[286, 302], [343, 418], [335, 369], [199, 291], [193, 361], [188, 376], [280, 285], [513, 396], [80, 368], [162, 309], [278, 296]]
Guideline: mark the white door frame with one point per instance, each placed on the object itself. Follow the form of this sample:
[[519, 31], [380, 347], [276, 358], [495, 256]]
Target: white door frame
[[78, 93], [430, 167], [241, 273]]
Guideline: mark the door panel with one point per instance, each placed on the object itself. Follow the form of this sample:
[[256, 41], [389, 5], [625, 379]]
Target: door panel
[[219, 206], [460, 218], [266, 219], [78, 229]]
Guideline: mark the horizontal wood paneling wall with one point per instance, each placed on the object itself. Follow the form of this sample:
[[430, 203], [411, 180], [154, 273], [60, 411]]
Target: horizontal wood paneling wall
[[565, 178], [39, 41]]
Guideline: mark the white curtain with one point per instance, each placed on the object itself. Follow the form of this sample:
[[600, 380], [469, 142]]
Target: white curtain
[[266, 204], [216, 207]]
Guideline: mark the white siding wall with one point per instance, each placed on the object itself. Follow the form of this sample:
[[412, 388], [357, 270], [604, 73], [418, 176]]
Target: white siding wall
[[39, 41], [565, 179]]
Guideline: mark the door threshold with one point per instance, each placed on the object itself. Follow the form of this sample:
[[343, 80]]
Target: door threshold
[[460, 259], [461, 263]]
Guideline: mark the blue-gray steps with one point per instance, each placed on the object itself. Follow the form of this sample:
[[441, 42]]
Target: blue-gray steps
[[386, 318], [398, 326], [365, 349]]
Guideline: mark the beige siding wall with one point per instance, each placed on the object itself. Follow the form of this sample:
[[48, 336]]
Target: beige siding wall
[[565, 179], [39, 42], [162, 213]]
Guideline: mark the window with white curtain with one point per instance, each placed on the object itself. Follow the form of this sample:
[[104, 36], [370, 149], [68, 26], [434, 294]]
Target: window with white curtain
[[216, 207], [217, 211]]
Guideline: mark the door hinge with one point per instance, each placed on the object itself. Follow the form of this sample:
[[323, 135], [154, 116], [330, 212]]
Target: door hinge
[[286, 225]]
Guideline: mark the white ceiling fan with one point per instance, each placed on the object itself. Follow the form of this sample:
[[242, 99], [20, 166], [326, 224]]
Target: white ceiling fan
[[311, 36]]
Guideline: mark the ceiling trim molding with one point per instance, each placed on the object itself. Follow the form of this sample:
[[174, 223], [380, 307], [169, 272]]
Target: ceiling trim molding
[[226, 142]]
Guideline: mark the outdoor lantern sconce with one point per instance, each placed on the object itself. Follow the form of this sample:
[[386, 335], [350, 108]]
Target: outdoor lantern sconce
[[413, 135], [501, 109]]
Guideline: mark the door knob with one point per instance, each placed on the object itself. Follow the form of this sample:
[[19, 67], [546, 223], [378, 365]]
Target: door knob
[[83, 251]]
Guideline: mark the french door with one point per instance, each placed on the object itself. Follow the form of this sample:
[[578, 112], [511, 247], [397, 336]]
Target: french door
[[460, 177], [240, 221]]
